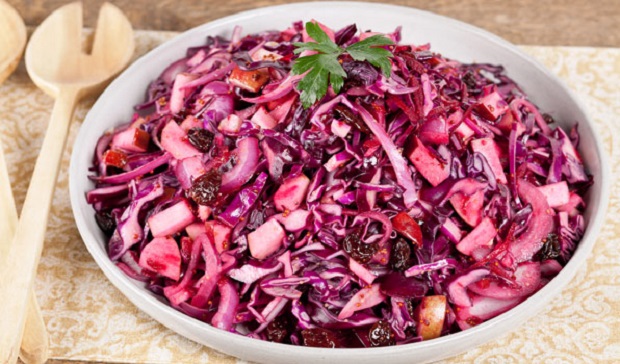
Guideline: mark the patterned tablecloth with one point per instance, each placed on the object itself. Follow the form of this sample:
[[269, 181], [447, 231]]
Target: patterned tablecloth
[[89, 319]]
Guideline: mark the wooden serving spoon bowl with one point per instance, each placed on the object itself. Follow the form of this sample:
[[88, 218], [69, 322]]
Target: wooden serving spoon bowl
[[12, 39]]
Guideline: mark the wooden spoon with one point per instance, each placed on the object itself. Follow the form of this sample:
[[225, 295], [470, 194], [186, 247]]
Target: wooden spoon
[[12, 39], [56, 63], [34, 343]]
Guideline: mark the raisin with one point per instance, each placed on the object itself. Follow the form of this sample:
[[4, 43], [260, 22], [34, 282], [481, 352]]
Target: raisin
[[106, 222], [201, 139], [357, 249], [346, 115], [205, 189], [381, 334], [320, 338], [400, 257], [278, 329], [548, 118], [469, 80], [551, 247], [180, 116]]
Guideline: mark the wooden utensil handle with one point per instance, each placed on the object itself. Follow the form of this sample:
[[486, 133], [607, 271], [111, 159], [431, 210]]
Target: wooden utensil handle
[[34, 343], [17, 274]]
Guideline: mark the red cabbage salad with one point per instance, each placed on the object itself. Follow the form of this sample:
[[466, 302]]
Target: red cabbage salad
[[405, 196]]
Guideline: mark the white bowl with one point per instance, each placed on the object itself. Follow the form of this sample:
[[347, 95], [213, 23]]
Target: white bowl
[[448, 37]]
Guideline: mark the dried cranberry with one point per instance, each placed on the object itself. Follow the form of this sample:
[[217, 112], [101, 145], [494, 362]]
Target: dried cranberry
[[205, 188], [345, 114], [115, 158], [320, 338], [106, 222], [278, 329], [551, 247], [201, 139], [357, 249], [381, 334], [400, 257]]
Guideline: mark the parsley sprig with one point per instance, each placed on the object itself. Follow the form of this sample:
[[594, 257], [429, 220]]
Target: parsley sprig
[[324, 67]]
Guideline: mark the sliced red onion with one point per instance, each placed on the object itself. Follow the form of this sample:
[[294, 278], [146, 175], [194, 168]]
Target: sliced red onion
[[540, 121], [129, 265], [527, 281], [215, 88], [138, 172], [105, 193], [482, 309], [457, 288], [129, 228], [364, 298], [209, 77], [282, 90], [213, 271], [248, 155], [171, 72], [227, 308], [179, 293], [540, 225]]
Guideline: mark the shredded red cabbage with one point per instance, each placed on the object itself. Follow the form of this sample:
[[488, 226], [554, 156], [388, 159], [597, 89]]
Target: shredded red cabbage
[[400, 210]]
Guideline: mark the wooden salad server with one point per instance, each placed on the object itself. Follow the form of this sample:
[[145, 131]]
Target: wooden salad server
[[35, 342], [57, 64]]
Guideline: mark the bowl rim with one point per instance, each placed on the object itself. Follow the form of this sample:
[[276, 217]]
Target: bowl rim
[[142, 299]]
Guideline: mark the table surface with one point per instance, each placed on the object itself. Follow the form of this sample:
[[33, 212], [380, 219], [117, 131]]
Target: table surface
[[533, 22]]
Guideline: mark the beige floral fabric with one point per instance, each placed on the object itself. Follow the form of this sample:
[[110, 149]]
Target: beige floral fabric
[[90, 320]]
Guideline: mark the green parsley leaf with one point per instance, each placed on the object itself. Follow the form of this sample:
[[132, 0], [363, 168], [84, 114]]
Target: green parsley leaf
[[366, 50], [314, 85], [376, 40], [311, 46], [337, 81], [376, 56], [324, 68], [319, 36]]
